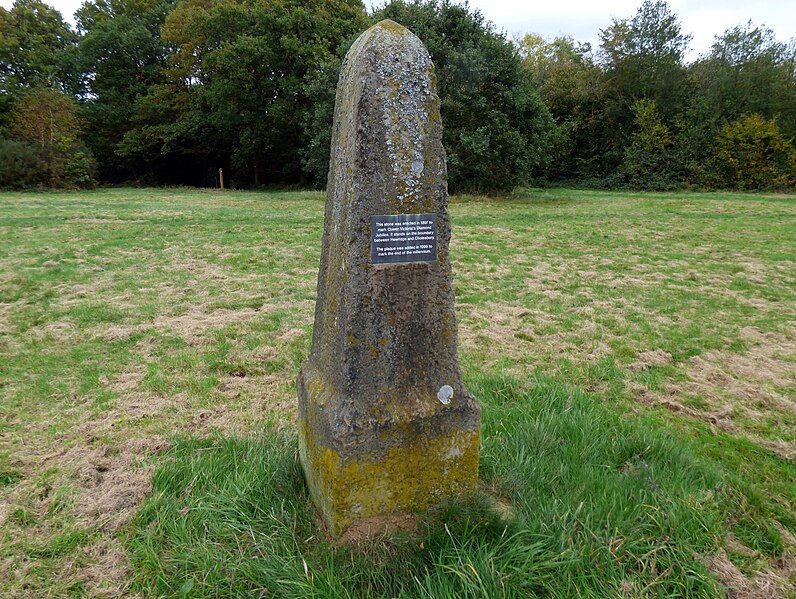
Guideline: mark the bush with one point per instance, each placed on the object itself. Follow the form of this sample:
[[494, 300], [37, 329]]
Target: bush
[[648, 161], [752, 154], [21, 165], [46, 149], [80, 167]]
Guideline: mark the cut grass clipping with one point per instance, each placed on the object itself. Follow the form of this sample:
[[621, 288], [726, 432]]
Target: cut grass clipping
[[593, 505]]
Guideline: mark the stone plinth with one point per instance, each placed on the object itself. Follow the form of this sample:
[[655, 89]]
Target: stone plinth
[[385, 423]]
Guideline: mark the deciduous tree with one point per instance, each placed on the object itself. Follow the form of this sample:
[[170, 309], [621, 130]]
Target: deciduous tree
[[46, 119], [240, 68], [643, 59], [37, 48], [574, 89], [648, 159], [121, 57], [498, 132]]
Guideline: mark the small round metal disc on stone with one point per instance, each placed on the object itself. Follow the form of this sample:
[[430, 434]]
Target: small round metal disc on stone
[[386, 425]]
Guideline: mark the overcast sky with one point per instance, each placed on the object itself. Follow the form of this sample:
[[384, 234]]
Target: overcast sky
[[583, 19]]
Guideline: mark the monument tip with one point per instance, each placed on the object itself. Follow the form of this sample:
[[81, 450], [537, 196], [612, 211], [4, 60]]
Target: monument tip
[[391, 26]]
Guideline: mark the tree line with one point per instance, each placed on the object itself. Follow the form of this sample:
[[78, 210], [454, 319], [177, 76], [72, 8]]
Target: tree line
[[170, 91]]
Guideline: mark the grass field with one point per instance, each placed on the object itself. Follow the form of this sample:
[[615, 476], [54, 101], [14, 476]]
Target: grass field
[[634, 355]]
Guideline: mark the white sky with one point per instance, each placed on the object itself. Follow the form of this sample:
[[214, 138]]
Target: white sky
[[583, 19]]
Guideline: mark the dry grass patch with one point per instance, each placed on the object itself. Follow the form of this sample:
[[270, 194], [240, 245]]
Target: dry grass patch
[[531, 338], [92, 492], [645, 360], [741, 393], [775, 581], [103, 568], [112, 480]]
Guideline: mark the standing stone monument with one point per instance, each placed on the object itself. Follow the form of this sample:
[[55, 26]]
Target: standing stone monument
[[385, 423]]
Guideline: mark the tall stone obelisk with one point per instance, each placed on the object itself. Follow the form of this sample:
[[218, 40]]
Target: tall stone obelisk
[[385, 423]]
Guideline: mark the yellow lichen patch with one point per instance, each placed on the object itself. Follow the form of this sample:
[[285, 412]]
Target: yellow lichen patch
[[392, 26], [316, 387], [411, 477]]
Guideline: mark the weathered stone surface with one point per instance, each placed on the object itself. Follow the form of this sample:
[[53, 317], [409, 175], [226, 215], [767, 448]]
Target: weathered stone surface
[[386, 424]]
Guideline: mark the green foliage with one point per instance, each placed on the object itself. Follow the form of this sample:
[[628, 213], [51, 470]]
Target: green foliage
[[169, 92], [123, 56], [80, 167], [602, 137], [752, 72], [236, 93], [648, 158], [752, 154], [45, 117], [317, 125], [644, 55], [39, 76], [573, 88], [50, 153], [37, 48], [746, 71], [651, 36], [651, 135], [22, 165], [642, 59], [497, 131]]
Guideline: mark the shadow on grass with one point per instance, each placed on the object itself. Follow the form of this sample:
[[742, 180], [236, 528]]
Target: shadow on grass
[[602, 506]]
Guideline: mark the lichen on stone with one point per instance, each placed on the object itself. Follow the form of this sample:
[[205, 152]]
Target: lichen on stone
[[374, 436]]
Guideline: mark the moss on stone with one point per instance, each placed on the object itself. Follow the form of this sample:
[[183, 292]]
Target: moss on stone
[[374, 437], [392, 26], [419, 473]]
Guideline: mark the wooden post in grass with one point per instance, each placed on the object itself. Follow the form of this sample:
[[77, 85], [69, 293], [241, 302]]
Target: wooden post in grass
[[386, 425], [221, 177]]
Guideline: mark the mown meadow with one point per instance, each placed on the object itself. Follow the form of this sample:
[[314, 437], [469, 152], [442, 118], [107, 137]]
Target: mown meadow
[[634, 355]]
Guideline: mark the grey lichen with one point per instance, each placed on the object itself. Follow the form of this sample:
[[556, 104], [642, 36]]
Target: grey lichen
[[375, 394]]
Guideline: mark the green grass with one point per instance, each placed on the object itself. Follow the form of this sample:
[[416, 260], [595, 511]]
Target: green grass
[[634, 356], [598, 501]]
